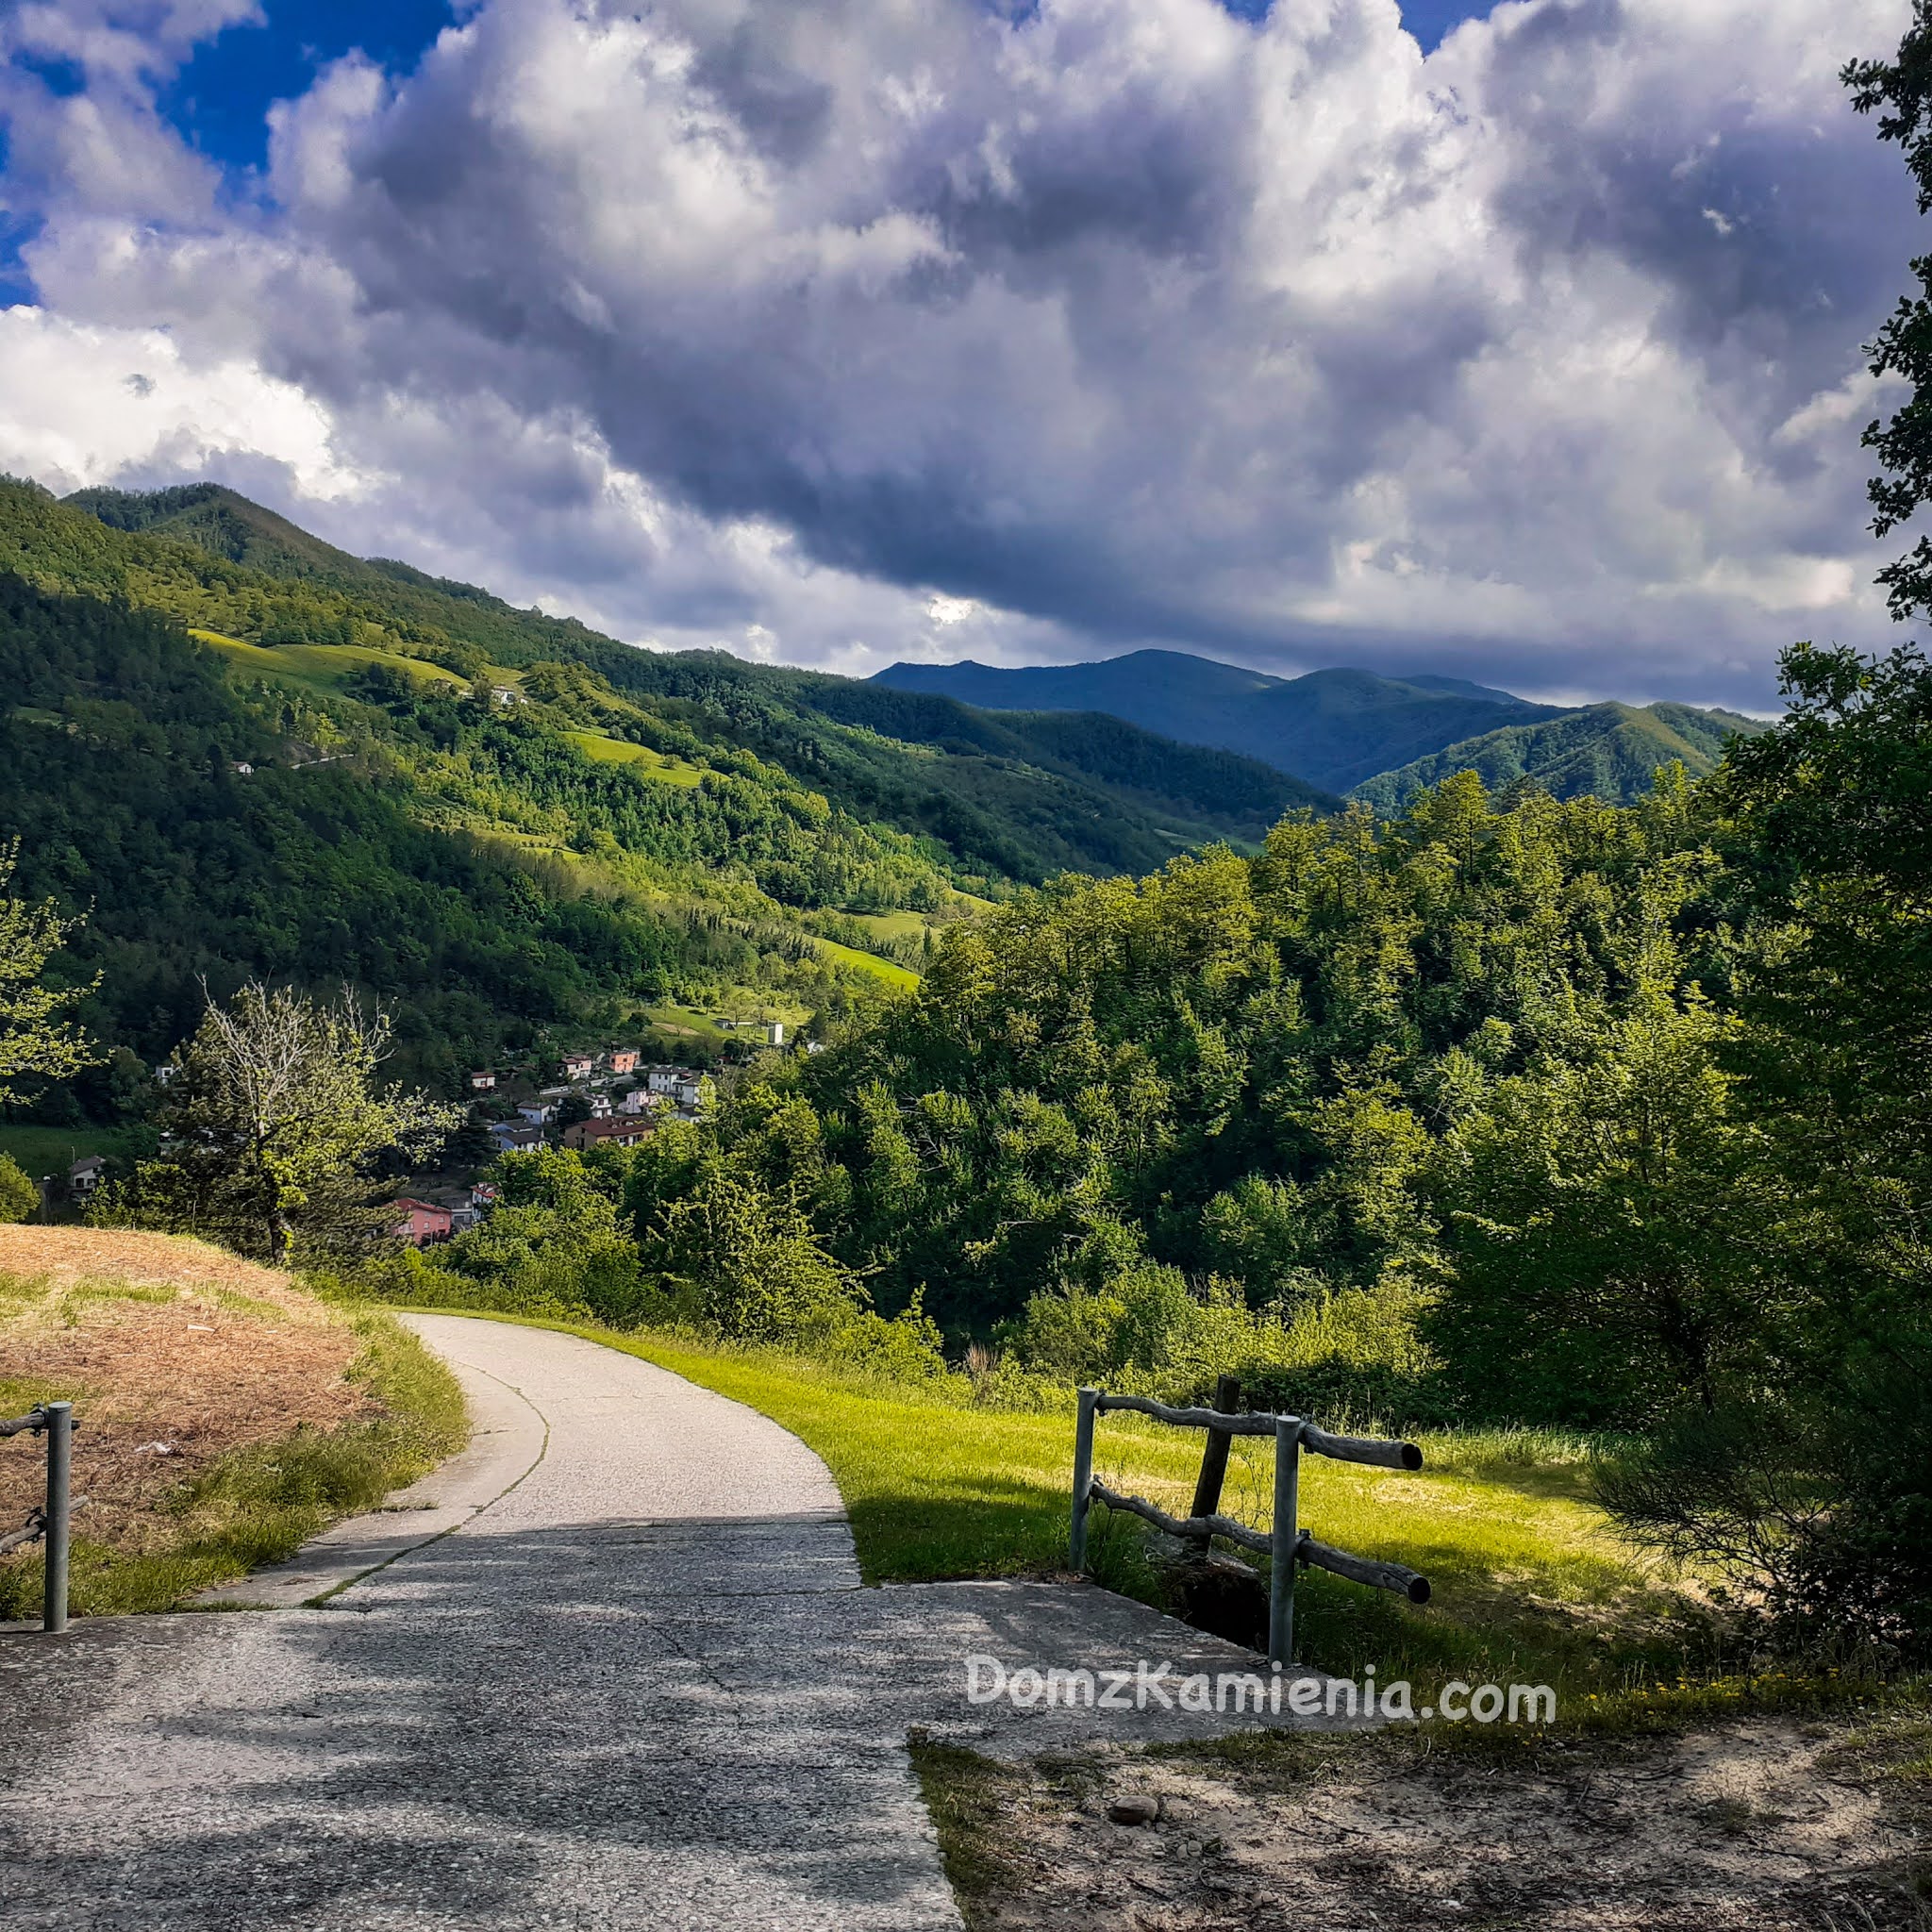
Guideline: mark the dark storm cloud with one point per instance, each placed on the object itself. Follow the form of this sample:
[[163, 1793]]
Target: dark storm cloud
[[1129, 318]]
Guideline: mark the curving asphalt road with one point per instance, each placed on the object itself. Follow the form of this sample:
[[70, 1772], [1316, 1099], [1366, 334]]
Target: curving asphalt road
[[610, 1668]]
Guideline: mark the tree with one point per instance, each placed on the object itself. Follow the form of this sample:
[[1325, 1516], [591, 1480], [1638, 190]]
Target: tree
[[1901, 89], [19, 1197], [36, 1035], [274, 1120]]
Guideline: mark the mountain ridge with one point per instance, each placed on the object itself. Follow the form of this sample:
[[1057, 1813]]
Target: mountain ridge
[[1332, 728], [1376, 738]]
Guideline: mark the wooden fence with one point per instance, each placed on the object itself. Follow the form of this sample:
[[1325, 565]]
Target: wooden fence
[[1287, 1545]]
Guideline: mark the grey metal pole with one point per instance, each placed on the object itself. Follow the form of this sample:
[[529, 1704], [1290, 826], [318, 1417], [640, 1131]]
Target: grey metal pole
[[1082, 1473], [59, 1481], [1288, 1440]]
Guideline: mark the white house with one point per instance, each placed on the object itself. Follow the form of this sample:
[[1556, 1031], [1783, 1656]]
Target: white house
[[86, 1174]]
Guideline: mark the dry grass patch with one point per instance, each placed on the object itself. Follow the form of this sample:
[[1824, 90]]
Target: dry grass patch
[[225, 1414]]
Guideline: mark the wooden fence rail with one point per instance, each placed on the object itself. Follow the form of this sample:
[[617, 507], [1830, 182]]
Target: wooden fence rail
[[1286, 1544]]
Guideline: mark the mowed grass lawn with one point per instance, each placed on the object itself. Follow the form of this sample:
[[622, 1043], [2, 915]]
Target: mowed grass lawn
[[1530, 1584]]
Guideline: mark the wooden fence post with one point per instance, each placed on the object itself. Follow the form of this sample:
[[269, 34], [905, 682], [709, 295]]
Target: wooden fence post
[[1227, 1399], [1083, 1474], [1288, 1438]]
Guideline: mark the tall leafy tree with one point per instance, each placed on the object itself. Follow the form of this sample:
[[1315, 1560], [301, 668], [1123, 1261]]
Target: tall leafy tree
[[274, 1124]]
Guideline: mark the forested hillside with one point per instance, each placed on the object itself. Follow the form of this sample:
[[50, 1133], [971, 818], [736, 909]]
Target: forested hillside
[[239, 752], [996, 801], [123, 777], [1608, 751]]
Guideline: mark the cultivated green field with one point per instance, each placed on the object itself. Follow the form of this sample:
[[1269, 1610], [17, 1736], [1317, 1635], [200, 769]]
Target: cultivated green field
[[892, 973], [52, 1150], [326, 664], [641, 757]]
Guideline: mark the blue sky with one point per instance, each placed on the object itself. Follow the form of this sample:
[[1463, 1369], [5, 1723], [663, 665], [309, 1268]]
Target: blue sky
[[859, 331]]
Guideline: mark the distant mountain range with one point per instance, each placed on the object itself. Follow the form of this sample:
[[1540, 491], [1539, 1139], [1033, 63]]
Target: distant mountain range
[[1377, 738]]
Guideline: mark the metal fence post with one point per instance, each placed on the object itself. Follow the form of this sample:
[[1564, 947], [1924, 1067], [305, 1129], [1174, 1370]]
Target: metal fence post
[[1287, 1438], [59, 1475], [1083, 1474]]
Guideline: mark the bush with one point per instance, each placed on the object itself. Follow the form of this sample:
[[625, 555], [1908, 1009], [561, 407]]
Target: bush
[[19, 1197], [1819, 1512]]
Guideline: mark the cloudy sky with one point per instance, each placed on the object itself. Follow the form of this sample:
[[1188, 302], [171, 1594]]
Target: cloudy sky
[[1524, 346]]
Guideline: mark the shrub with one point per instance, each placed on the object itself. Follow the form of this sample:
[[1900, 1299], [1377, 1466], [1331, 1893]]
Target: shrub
[[19, 1197]]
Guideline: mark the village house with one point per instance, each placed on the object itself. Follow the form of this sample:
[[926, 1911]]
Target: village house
[[482, 1083], [585, 1134], [422, 1220], [624, 1060], [667, 1079], [85, 1175], [774, 1033], [600, 1106], [579, 1066], [508, 1137], [538, 1113], [638, 1100], [484, 1195]]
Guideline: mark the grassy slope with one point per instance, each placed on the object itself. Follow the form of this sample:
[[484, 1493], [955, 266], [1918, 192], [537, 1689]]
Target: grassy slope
[[199, 1522], [1530, 1585], [52, 1150]]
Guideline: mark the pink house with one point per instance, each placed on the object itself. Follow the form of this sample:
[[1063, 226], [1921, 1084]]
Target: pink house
[[422, 1221], [624, 1060]]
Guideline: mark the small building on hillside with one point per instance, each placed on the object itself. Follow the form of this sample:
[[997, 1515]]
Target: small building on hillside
[[608, 1132], [579, 1066], [600, 1104], [86, 1174], [508, 1137], [667, 1079], [774, 1033], [537, 1113], [482, 1082], [422, 1220], [484, 1196], [624, 1060], [635, 1100]]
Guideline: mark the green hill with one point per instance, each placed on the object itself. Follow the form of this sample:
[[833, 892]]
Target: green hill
[[1002, 802], [1610, 751], [238, 751]]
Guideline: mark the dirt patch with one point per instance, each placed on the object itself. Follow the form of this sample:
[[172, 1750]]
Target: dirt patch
[[1763, 1825], [174, 1354]]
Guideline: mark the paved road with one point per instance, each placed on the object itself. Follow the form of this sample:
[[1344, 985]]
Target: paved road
[[631, 1681]]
